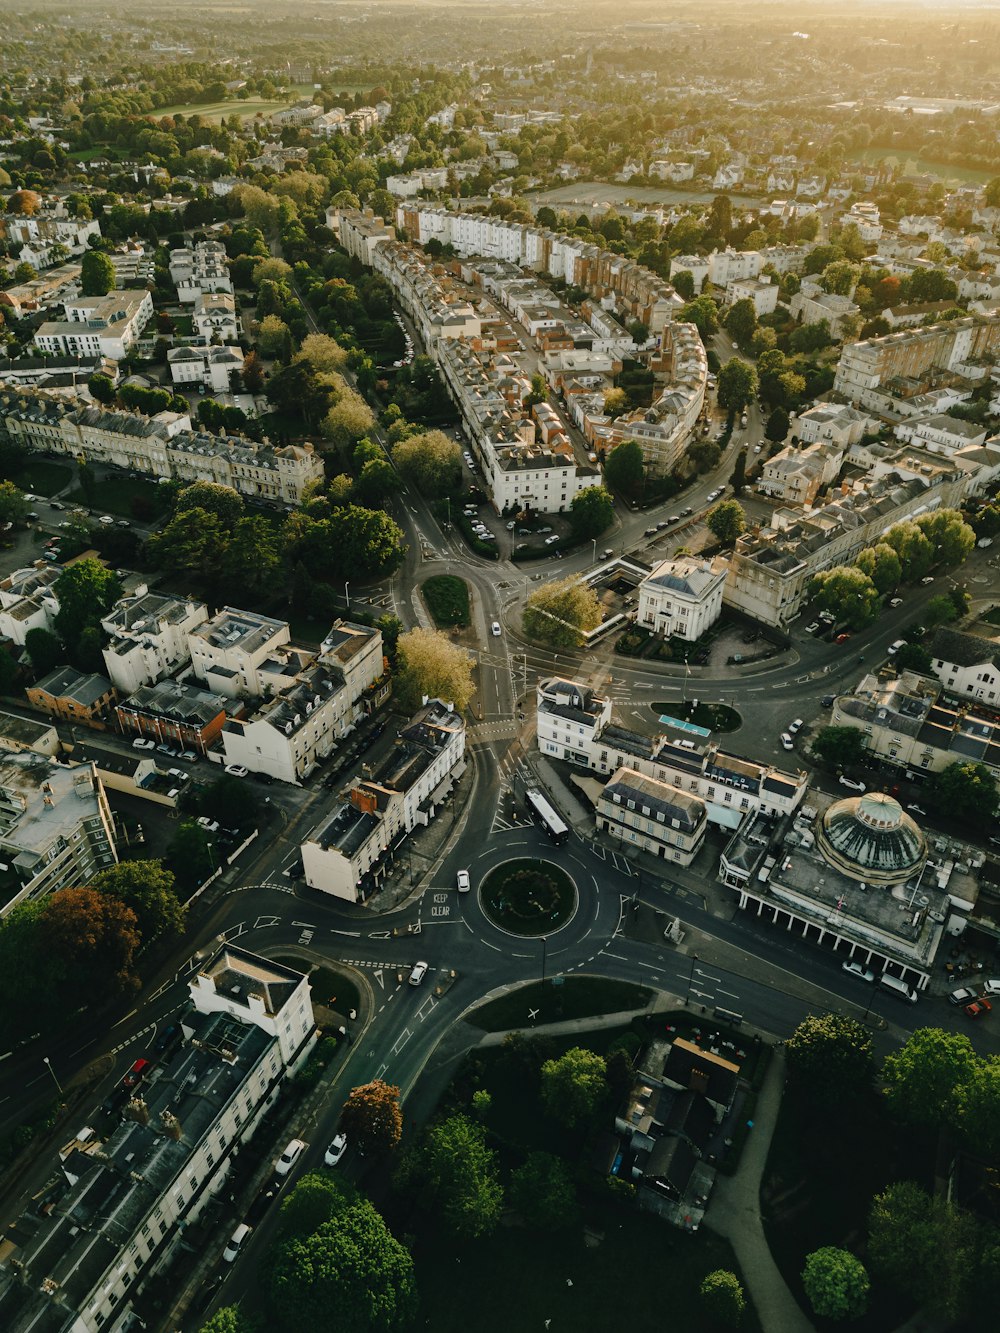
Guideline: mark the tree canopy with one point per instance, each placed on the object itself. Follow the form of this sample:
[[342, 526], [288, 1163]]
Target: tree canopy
[[430, 460], [737, 385], [836, 1283], [559, 614], [848, 593], [966, 788], [542, 1191], [727, 521], [147, 888], [830, 1057], [592, 512], [923, 1078], [840, 746], [624, 467], [456, 1174], [429, 663], [574, 1086], [371, 1117]]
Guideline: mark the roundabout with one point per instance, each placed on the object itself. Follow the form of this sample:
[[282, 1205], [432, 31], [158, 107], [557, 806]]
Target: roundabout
[[528, 897]]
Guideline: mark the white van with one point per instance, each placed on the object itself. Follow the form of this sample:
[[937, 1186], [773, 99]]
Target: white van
[[897, 987]]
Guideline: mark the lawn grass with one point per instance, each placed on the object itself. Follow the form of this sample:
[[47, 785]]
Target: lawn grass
[[575, 997], [116, 494], [40, 477], [634, 1269], [218, 111], [822, 1172], [447, 599], [911, 162], [336, 990]]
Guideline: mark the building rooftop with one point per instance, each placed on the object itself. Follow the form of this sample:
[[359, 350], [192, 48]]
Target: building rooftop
[[66, 682], [964, 650], [871, 839]]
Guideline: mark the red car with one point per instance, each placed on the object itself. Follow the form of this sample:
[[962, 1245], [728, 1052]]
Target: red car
[[978, 1007], [136, 1074], [842, 638]]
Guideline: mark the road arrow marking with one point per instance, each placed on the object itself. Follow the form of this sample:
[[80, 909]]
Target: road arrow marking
[[378, 977]]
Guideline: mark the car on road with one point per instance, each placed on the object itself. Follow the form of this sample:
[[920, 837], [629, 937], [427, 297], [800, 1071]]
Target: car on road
[[978, 1008], [54, 504], [549, 541], [786, 741], [649, 532], [237, 770], [686, 513], [842, 638], [168, 1039], [418, 973], [915, 809], [106, 520], [289, 1157], [895, 646], [495, 628], [136, 1074], [188, 755], [858, 970], [464, 883], [828, 700], [511, 526], [141, 743], [963, 995], [164, 748], [674, 518], [813, 628], [336, 1150], [992, 987], [209, 825], [850, 782], [895, 601], [236, 1242], [795, 727]]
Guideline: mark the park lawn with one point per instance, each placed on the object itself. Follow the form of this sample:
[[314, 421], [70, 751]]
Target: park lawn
[[574, 997], [912, 162], [115, 495], [822, 1174], [447, 598], [183, 326], [638, 1268], [41, 477], [218, 111]]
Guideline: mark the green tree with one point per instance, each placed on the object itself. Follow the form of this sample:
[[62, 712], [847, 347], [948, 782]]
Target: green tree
[[350, 1274], [703, 313], [723, 1298], [45, 650], [882, 565], [923, 1078], [347, 420], [428, 662], [924, 1247], [574, 1086], [940, 610], [913, 657], [542, 1191], [193, 542], [222, 501], [838, 278], [727, 521], [592, 512], [252, 557], [560, 614], [371, 1117], [456, 1176], [86, 591], [741, 322], [273, 337], [967, 789], [230, 1319], [848, 593], [776, 427], [147, 888], [624, 467], [841, 746], [830, 1058], [738, 477], [376, 483], [737, 385], [913, 549], [949, 534], [190, 854], [97, 273], [102, 388], [13, 505], [977, 1108], [616, 403], [94, 939], [431, 461], [836, 1283]]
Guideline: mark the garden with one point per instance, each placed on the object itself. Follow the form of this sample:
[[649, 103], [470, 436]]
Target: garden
[[528, 897], [447, 599], [713, 717]]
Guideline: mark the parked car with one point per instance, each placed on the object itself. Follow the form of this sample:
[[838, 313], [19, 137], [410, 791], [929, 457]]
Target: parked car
[[786, 741], [978, 1008], [650, 532], [963, 995], [336, 1150], [813, 628], [209, 825], [895, 601], [136, 1074], [237, 770], [992, 987], [106, 521], [550, 540], [842, 638], [168, 1039], [164, 748], [895, 646], [828, 700], [795, 727], [928, 579], [236, 1242], [858, 970], [849, 782], [915, 809], [289, 1157], [141, 743], [495, 627], [418, 973], [464, 884]]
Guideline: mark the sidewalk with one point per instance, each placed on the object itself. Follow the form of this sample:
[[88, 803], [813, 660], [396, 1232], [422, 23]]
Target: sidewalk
[[735, 1214]]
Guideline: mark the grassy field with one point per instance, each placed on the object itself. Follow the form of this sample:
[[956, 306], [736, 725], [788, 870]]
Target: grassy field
[[447, 598], [334, 989], [115, 495], [576, 997], [218, 111], [40, 477], [911, 164]]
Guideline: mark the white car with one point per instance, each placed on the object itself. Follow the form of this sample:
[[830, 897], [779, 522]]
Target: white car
[[336, 1150], [849, 782], [786, 741], [858, 970], [895, 601], [895, 647], [928, 579], [550, 540], [813, 628], [795, 727], [237, 770], [418, 973], [289, 1157], [107, 520], [496, 629], [141, 743], [992, 987], [236, 1240], [915, 809], [464, 883]]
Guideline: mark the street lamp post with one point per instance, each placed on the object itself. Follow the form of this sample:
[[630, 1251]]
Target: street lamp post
[[694, 960], [594, 542], [48, 1066], [347, 595]]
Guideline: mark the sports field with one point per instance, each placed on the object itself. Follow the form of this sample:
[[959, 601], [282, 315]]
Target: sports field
[[218, 111]]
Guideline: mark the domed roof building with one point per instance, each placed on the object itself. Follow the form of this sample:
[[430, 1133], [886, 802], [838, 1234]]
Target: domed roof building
[[871, 839]]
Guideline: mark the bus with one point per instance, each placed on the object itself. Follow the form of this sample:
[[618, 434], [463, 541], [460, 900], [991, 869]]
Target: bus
[[547, 817]]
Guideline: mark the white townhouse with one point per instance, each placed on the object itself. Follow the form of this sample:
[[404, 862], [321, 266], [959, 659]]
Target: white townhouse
[[98, 325]]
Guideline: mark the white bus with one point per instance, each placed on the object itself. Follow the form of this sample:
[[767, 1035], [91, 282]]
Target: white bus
[[550, 821]]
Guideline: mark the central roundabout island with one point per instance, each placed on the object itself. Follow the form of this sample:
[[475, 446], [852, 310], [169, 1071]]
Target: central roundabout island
[[528, 897]]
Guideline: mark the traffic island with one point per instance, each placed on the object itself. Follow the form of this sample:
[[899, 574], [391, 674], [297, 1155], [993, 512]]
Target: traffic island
[[528, 897]]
